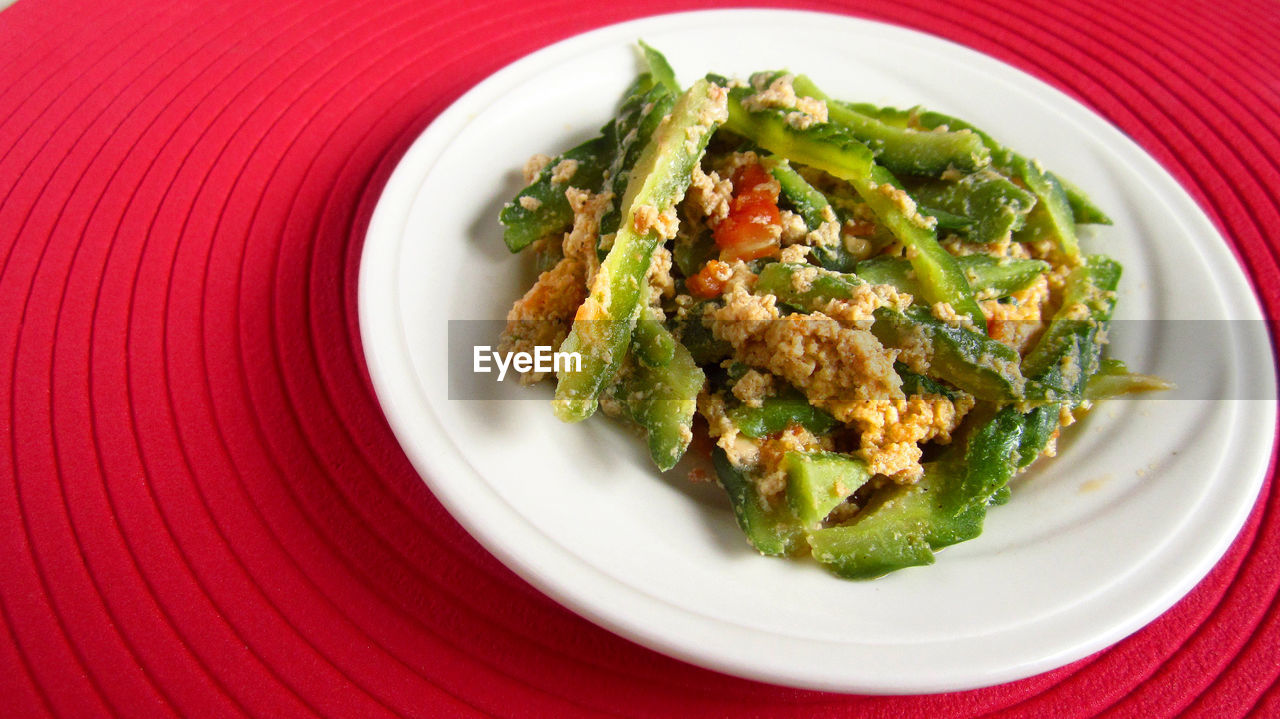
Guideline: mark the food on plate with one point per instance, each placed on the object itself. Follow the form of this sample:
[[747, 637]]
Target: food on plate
[[878, 316]]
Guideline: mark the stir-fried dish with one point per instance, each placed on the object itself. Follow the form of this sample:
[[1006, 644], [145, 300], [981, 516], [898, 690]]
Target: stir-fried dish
[[880, 315]]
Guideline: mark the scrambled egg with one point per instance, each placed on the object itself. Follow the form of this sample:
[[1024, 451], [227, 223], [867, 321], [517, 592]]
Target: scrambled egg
[[892, 430], [1018, 321], [829, 362]]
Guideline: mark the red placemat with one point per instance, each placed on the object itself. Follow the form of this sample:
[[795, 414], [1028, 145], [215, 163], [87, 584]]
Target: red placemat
[[203, 512]]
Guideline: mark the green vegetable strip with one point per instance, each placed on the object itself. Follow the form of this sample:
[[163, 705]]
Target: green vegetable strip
[[913, 383], [821, 286], [973, 362], [550, 211], [1114, 379], [652, 343], [830, 148], [661, 69], [1083, 209], [1001, 156], [901, 149], [777, 413], [1068, 352], [825, 146], [946, 483], [817, 482], [1051, 218], [814, 208], [772, 530], [890, 533], [946, 220], [808, 201], [990, 460], [940, 277], [663, 400], [1003, 276], [637, 120], [602, 331], [1038, 426], [892, 115], [900, 526], [993, 205]]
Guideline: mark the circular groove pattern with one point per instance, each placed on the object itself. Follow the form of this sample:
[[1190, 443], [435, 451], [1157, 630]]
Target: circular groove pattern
[[99, 450], [186, 458], [195, 448], [170, 532], [292, 418], [314, 445], [55, 451]]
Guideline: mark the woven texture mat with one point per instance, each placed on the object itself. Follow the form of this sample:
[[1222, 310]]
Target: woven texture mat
[[202, 510]]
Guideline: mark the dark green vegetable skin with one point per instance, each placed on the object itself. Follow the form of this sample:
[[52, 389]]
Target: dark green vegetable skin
[[805, 199], [552, 213], [985, 273], [777, 413], [833, 149], [991, 205], [913, 383], [772, 530], [900, 149], [662, 400], [900, 526], [814, 208], [821, 286], [1114, 379], [660, 177], [1051, 218], [971, 361], [660, 68], [939, 275]]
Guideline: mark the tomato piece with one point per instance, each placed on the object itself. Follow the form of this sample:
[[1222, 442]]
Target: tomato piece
[[752, 178], [750, 233], [754, 224]]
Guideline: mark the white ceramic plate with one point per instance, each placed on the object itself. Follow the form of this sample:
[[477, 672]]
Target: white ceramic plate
[[1143, 499]]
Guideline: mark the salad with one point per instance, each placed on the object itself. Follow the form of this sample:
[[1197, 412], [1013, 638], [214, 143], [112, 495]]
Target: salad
[[878, 316]]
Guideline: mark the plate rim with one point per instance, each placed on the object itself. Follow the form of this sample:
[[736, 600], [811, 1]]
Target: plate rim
[[373, 325]]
